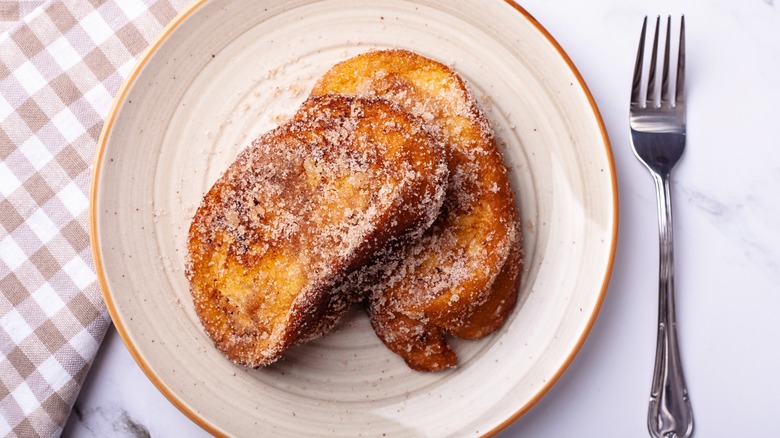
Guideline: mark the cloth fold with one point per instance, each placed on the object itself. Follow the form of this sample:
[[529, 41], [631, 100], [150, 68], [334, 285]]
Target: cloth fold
[[61, 63]]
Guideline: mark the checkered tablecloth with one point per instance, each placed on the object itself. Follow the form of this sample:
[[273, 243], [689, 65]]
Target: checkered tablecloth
[[61, 62]]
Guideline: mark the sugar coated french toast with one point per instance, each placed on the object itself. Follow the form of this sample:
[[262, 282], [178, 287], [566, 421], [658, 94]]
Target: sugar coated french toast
[[462, 276], [302, 206]]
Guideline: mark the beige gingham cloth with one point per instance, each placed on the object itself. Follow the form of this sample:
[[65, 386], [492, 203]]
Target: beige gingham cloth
[[61, 63]]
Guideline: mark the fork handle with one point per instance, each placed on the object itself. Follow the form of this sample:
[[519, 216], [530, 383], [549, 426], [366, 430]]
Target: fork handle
[[669, 413]]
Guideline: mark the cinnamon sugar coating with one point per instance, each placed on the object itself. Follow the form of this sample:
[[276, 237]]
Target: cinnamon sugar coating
[[304, 205], [461, 277]]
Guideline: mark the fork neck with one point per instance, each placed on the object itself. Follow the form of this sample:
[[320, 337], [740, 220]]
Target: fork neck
[[665, 229]]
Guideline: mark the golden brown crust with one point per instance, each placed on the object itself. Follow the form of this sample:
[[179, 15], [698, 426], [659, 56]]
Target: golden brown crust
[[302, 206], [462, 276]]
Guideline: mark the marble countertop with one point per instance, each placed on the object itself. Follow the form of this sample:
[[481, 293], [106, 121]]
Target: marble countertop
[[726, 191]]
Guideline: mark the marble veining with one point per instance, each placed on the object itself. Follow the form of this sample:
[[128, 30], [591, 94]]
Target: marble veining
[[748, 218], [111, 420]]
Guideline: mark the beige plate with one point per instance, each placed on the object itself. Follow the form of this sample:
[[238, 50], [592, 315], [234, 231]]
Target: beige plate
[[227, 70]]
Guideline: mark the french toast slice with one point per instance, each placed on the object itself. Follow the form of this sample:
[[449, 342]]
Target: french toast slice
[[299, 208], [462, 276]]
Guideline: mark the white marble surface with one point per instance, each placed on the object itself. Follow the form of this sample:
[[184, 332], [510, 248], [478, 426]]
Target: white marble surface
[[727, 230]]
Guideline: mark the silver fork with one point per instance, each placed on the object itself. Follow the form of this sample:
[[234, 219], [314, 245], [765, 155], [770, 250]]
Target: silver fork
[[658, 139]]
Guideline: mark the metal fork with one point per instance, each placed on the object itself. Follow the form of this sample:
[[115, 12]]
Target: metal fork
[[658, 139]]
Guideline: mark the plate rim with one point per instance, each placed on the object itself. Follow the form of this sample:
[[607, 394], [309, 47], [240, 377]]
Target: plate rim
[[180, 404]]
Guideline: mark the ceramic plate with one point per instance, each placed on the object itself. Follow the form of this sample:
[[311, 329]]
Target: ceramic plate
[[226, 71]]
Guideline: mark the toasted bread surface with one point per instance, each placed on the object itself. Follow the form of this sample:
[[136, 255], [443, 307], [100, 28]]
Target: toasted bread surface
[[301, 207], [462, 276]]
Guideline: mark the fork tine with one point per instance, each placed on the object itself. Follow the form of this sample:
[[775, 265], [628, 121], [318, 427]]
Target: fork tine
[[665, 93], [636, 85], [680, 88], [651, 96]]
